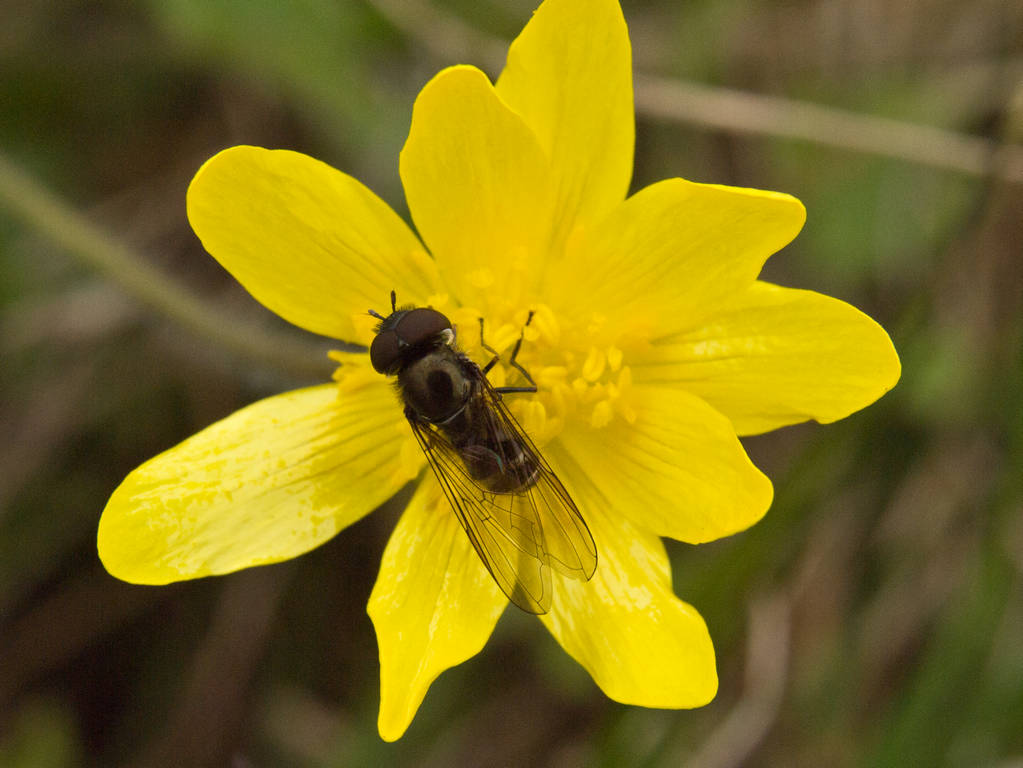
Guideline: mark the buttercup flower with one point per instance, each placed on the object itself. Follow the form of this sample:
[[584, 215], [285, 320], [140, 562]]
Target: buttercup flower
[[653, 345]]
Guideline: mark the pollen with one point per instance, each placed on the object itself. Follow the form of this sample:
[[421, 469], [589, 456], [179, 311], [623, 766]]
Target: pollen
[[534, 418], [602, 414], [614, 358], [593, 367], [545, 323], [577, 381]]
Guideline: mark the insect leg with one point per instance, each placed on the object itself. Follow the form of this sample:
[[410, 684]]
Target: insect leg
[[512, 361], [489, 349], [515, 353]]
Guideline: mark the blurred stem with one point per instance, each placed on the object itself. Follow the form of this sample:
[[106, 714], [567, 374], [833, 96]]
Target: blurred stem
[[736, 738], [72, 231], [449, 38], [748, 113]]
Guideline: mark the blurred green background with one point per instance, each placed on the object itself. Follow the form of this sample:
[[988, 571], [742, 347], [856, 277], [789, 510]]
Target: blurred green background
[[874, 618]]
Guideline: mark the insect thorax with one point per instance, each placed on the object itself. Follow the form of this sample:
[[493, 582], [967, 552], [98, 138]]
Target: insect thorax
[[435, 385]]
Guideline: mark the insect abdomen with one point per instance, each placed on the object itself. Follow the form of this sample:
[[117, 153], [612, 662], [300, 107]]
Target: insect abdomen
[[500, 464]]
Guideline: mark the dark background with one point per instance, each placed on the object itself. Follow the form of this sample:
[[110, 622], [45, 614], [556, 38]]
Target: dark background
[[875, 617]]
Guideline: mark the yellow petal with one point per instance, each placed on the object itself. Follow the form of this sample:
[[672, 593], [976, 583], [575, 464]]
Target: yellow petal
[[569, 74], [309, 242], [779, 356], [477, 184], [434, 605], [678, 470], [672, 253], [265, 484], [641, 644]]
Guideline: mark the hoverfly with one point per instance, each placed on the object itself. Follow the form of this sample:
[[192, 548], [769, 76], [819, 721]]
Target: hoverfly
[[517, 514]]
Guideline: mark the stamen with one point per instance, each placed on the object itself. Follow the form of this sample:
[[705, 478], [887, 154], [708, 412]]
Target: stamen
[[593, 383], [575, 379], [546, 325], [498, 375], [593, 368], [602, 414], [502, 338], [534, 419], [614, 358]]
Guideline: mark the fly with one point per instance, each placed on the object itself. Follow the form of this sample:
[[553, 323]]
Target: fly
[[517, 514]]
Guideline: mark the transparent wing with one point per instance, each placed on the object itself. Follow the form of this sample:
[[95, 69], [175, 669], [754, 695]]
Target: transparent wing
[[519, 534], [566, 540]]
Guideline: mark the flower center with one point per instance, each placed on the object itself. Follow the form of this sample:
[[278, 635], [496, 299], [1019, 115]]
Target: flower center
[[577, 377], [580, 370]]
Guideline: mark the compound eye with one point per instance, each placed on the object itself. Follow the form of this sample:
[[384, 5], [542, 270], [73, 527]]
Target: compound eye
[[418, 325], [384, 352]]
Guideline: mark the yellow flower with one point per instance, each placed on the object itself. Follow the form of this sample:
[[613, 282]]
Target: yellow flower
[[653, 343]]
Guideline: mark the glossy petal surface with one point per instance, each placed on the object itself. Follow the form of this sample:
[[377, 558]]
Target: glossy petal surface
[[308, 241], [778, 356], [434, 605], [641, 644], [672, 253], [678, 471], [265, 484], [569, 74], [477, 184], [651, 340]]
